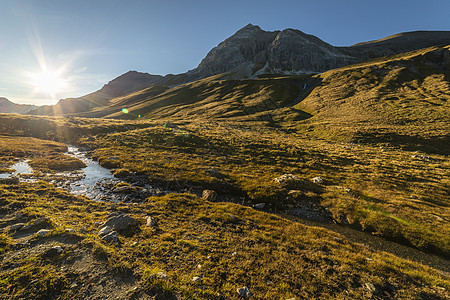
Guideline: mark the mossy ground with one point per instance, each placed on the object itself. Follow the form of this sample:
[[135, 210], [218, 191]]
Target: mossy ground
[[227, 245], [382, 190]]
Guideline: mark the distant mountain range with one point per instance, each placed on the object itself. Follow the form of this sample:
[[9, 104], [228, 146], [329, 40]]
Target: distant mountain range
[[7, 106], [250, 53]]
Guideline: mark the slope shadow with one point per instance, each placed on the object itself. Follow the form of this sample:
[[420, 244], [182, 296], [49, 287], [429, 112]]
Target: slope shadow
[[434, 145]]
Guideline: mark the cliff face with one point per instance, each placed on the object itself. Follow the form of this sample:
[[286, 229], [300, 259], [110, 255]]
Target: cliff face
[[243, 50], [295, 51], [252, 51]]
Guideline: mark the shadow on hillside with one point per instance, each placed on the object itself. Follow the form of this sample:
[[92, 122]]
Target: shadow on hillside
[[433, 145]]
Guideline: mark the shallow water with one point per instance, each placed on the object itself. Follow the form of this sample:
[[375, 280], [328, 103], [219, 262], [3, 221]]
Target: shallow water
[[22, 167], [93, 181], [90, 184]]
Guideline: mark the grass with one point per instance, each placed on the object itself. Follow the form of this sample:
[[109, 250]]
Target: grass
[[246, 160], [240, 163], [229, 247]]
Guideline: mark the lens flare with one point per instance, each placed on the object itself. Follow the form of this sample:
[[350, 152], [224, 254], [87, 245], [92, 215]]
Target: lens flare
[[125, 111]]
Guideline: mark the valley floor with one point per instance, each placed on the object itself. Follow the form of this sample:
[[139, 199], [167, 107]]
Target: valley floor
[[57, 245]]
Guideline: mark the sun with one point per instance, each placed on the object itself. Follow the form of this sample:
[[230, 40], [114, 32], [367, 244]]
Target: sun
[[48, 82]]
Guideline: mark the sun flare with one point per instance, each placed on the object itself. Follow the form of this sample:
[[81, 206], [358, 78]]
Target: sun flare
[[48, 82]]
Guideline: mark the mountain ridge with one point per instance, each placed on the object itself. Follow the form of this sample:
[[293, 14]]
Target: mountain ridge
[[7, 106], [251, 53]]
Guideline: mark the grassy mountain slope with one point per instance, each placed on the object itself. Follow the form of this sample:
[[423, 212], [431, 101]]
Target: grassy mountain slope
[[397, 194], [398, 43], [402, 100], [213, 98], [129, 82], [7, 106]]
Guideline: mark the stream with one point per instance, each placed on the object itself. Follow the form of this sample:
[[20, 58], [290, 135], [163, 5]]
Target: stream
[[93, 181]]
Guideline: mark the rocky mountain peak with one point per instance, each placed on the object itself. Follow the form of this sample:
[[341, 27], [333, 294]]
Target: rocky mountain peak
[[247, 31], [252, 51]]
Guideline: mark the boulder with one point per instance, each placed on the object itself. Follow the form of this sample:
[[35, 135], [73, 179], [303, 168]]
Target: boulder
[[170, 125], [122, 223], [105, 230], [259, 205], [123, 189], [15, 227], [43, 232]]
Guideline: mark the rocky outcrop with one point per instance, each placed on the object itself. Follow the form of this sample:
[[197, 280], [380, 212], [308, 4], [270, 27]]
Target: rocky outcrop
[[293, 51], [244, 50], [252, 51]]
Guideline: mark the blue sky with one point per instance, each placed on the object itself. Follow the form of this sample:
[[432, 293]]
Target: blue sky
[[90, 42]]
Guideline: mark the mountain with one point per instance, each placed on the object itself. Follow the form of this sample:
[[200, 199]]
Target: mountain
[[7, 106], [129, 82], [402, 100], [250, 53]]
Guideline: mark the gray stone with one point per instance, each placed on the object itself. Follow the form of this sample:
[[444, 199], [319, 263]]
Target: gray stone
[[122, 223], [170, 125], [15, 227], [422, 157], [370, 287], [244, 292], [196, 279], [162, 276], [287, 179], [124, 189], [58, 249]]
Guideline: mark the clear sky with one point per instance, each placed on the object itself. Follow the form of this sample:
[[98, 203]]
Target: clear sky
[[80, 45]]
